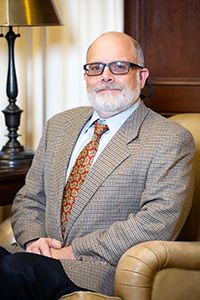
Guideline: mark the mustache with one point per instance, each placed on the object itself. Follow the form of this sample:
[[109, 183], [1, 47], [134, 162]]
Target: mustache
[[105, 86]]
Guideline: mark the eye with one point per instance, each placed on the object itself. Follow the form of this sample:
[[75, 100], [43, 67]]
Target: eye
[[120, 66], [95, 67]]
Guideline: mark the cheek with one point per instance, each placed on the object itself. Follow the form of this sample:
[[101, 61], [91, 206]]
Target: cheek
[[91, 82], [133, 81], [129, 80], [129, 83]]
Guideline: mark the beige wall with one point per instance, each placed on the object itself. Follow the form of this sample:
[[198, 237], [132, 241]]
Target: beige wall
[[49, 64]]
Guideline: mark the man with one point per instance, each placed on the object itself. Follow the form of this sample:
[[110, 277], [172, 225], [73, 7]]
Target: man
[[133, 189]]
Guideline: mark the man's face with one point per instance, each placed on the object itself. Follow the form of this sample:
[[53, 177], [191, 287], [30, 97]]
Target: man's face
[[108, 93]]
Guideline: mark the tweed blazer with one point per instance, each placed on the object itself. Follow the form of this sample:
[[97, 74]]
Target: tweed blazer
[[137, 190]]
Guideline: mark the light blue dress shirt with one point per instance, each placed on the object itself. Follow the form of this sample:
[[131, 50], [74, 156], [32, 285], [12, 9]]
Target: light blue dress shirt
[[113, 123]]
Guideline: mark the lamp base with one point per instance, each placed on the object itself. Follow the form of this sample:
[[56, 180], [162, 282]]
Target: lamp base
[[15, 160]]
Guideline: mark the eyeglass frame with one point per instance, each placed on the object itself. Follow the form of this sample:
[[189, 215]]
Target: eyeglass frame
[[130, 65]]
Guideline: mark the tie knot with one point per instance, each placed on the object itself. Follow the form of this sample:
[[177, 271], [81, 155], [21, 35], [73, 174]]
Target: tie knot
[[100, 129]]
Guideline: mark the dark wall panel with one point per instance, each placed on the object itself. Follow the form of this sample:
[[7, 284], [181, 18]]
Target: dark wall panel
[[169, 32]]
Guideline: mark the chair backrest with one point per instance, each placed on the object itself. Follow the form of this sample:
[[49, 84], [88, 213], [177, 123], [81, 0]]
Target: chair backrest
[[191, 229]]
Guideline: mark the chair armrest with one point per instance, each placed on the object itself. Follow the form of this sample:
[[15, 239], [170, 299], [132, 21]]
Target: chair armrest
[[6, 233], [87, 296], [144, 270]]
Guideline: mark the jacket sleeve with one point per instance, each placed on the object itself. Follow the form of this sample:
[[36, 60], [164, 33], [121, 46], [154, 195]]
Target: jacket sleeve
[[28, 211]]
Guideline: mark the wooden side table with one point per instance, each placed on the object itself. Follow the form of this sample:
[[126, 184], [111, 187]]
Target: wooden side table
[[11, 180]]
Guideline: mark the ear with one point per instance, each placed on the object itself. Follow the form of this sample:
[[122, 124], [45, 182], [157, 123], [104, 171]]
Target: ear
[[144, 73]]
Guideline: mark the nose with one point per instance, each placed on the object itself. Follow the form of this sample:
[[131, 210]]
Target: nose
[[107, 76]]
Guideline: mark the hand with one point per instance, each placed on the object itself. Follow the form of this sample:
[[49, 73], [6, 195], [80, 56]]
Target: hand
[[43, 246], [62, 253]]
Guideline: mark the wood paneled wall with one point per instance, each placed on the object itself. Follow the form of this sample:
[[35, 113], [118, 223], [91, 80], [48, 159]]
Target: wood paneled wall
[[169, 33]]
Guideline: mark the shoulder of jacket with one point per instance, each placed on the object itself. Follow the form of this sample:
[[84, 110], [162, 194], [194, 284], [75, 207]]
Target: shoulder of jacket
[[165, 126], [73, 113]]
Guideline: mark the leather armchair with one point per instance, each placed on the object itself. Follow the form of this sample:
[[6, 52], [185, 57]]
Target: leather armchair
[[158, 270]]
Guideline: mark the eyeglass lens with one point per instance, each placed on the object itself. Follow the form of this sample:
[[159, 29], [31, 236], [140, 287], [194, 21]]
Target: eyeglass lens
[[117, 67]]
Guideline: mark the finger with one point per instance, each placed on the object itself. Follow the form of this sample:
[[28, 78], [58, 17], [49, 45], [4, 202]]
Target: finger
[[55, 244], [44, 248], [41, 247], [33, 249]]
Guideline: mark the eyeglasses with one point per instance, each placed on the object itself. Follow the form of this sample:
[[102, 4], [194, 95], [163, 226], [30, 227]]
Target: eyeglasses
[[115, 67]]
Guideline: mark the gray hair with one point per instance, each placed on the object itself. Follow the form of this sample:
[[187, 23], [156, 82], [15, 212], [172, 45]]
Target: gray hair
[[139, 52]]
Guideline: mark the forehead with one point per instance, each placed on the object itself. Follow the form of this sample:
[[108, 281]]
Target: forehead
[[111, 48]]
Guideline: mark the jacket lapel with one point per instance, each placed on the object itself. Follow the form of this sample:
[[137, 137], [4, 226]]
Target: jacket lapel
[[113, 155]]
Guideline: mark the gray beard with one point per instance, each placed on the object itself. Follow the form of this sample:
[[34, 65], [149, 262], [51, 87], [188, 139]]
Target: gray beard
[[110, 105]]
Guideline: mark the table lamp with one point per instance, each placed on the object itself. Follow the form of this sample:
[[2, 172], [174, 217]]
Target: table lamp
[[16, 13]]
